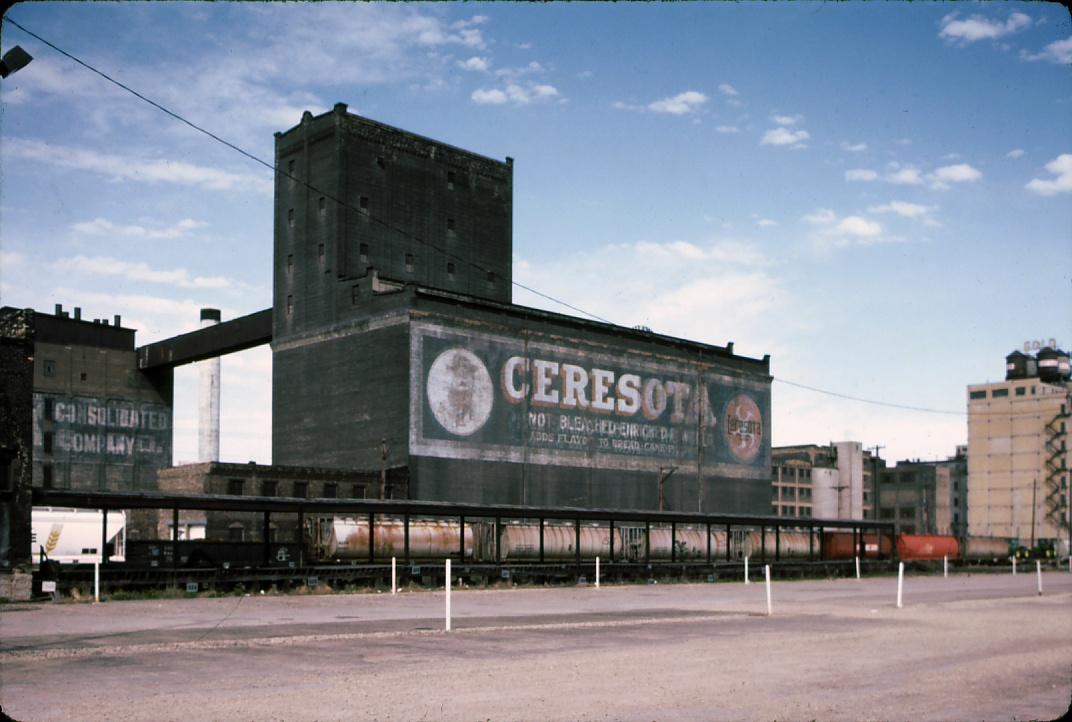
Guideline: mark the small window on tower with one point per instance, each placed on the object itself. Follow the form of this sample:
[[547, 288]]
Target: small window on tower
[[290, 167], [320, 252], [450, 180], [491, 278], [362, 202], [362, 251], [290, 217], [49, 368], [450, 270], [450, 225], [355, 294], [83, 376], [322, 206], [290, 305], [290, 263], [409, 262], [380, 162]]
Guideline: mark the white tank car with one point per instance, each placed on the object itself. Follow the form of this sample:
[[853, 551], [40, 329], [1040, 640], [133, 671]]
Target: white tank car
[[73, 536]]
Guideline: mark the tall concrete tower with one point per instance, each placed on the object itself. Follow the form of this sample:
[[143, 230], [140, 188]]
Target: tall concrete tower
[[208, 429]]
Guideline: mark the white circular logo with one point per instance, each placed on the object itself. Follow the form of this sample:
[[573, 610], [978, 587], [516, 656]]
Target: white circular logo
[[460, 391]]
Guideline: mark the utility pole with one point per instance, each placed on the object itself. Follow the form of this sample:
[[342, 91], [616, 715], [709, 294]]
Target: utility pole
[[664, 473], [383, 468], [1034, 493], [874, 480]]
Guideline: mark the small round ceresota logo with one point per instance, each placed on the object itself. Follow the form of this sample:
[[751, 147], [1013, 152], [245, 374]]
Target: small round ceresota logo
[[743, 428], [460, 391]]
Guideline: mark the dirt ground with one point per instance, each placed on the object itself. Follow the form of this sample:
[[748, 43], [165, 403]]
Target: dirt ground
[[978, 647]]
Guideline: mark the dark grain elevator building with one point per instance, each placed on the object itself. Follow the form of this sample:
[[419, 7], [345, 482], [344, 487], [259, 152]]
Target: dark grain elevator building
[[396, 346]]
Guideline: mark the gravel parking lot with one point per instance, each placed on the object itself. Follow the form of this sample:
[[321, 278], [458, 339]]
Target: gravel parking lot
[[971, 647]]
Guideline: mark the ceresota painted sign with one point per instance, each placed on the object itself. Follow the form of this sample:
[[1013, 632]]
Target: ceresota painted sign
[[479, 396]]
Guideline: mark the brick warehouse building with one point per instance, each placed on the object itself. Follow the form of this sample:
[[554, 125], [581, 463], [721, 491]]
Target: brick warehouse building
[[393, 324]]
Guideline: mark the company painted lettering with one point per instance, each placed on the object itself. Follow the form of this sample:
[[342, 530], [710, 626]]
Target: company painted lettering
[[574, 383], [543, 376], [601, 385], [628, 394], [653, 401], [679, 392], [515, 366]]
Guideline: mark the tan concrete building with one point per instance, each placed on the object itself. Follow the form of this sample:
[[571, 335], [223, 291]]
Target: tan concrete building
[[1018, 475]]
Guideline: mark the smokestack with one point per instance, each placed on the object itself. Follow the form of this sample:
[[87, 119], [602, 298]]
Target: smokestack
[[77, 313], [208, 428], [59, 309], [118, 318]]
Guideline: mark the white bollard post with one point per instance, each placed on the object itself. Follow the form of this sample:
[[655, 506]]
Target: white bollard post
[[900, 582], [857, 567], [597, 572], [96, 580], [448, 595], [746, 581], [945, 567], [1038, 571], [1014, 566], [394, 585], [766, 572]]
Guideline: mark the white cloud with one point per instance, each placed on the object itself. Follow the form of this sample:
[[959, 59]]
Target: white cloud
[[861, 174], [585, 74], [728, 129], [104, 227], [1061, 168], [835, 232], [1015, 153], [959, 173], [1058, 52], [782, 136], [513, 74], [823, 216], [853, 147], [515, 94], [978, 27], [766, 223], [475, 64], [493, 96], [129, 168], [906, 175], [903, 209], [136, 271], [858, 227], [728, 90], [688, 102], [709, 294], [787, 119]]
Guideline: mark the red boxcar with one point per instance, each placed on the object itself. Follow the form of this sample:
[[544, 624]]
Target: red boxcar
[[839, 545]]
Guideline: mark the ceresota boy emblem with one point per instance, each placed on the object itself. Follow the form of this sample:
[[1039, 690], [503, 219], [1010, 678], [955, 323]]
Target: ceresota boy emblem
[[743, 428], [460, 392]]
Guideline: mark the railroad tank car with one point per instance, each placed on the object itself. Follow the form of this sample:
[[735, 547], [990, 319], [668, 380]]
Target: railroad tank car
[[980, 548], [349, 539], [927, 547], [522, 542], [791, 544]]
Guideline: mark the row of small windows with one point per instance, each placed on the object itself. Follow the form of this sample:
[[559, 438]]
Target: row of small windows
[[1000, 393], [299, 489]]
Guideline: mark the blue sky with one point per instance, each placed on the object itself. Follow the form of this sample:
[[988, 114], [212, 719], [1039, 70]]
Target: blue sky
[[877, 195]]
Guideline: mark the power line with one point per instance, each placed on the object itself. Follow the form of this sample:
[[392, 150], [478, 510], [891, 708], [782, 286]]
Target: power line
[[907, 407], [427, 244], [304, 183]]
